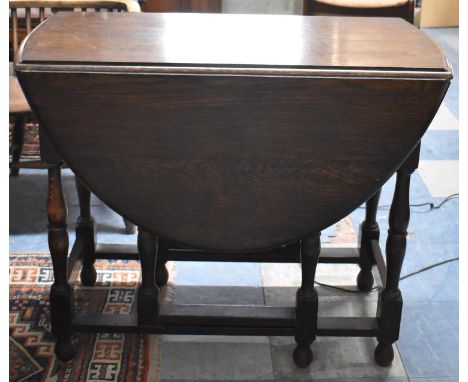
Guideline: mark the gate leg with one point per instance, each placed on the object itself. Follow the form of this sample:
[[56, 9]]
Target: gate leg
[[307, 302], [61, 294], [85, 234], [162, 275], [390, 302], [369, 230], [148, 292]]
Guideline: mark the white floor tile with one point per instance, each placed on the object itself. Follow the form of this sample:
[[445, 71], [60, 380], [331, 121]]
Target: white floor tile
[[440, 176], [333, 358], [226, 360], [444, 120]]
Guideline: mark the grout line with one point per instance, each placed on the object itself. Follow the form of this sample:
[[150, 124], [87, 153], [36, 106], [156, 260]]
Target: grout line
[[402, 361]]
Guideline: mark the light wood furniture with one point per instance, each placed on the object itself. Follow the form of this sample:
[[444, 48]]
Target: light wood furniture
[[439, 13], [181, 6], [259, 141], [375, 8]]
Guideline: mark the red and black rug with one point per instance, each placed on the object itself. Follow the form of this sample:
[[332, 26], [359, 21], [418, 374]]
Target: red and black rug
[[99, 357], [31, 148]]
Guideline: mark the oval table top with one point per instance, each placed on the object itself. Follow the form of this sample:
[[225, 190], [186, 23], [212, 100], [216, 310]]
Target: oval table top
[[228, 132]]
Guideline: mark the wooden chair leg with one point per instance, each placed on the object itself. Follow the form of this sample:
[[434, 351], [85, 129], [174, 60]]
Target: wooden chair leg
[[85, 234], [61, 294], [390, 302], [368, 231], [307, 302], [17, 143], [130, 228], [148, 292]]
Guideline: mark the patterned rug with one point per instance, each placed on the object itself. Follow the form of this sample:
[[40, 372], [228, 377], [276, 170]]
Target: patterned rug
[[99, 357], [31, 140]]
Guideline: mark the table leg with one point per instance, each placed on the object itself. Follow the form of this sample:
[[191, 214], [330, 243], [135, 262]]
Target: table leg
[[307, 302], [369, 230], [85, 234], [162, 274], [148, 292], [390, 302], [61, 294]]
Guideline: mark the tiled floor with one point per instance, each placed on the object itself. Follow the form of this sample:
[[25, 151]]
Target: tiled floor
[[428, 345]]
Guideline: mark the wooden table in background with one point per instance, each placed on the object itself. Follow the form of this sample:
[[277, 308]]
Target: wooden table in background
[[199, 6]]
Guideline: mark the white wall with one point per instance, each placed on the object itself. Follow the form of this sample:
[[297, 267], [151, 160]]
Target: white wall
[[262, 6]]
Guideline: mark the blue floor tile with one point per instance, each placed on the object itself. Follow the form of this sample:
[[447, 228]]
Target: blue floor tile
[[428, 341], [218, 274], [437, 226], [437, 284], [419, 255], [451, 379], [439, 145]]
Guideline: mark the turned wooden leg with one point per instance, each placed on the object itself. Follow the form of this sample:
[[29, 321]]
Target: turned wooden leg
[[307, 302], [17, 143], [162, 274], [390, 302], [368, 231], [148, 292], [85, 234], [130, 228], [61, 294]]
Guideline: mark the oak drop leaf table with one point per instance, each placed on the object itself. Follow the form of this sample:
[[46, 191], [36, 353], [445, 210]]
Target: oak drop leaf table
[[232, 138]]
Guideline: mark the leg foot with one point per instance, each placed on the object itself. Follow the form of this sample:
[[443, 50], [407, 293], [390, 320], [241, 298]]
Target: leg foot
[[162, 274], [383, 354], [365, 280], [303, 356], [64, 350], [86, 235]]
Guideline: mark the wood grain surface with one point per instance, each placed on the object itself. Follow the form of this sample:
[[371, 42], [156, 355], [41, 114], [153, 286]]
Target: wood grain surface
[[237, 161], [234, 163], [244, 40]]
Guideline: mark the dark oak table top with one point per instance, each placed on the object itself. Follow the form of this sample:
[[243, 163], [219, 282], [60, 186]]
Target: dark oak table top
[[220, 40], [227, 132], [231, 134]]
